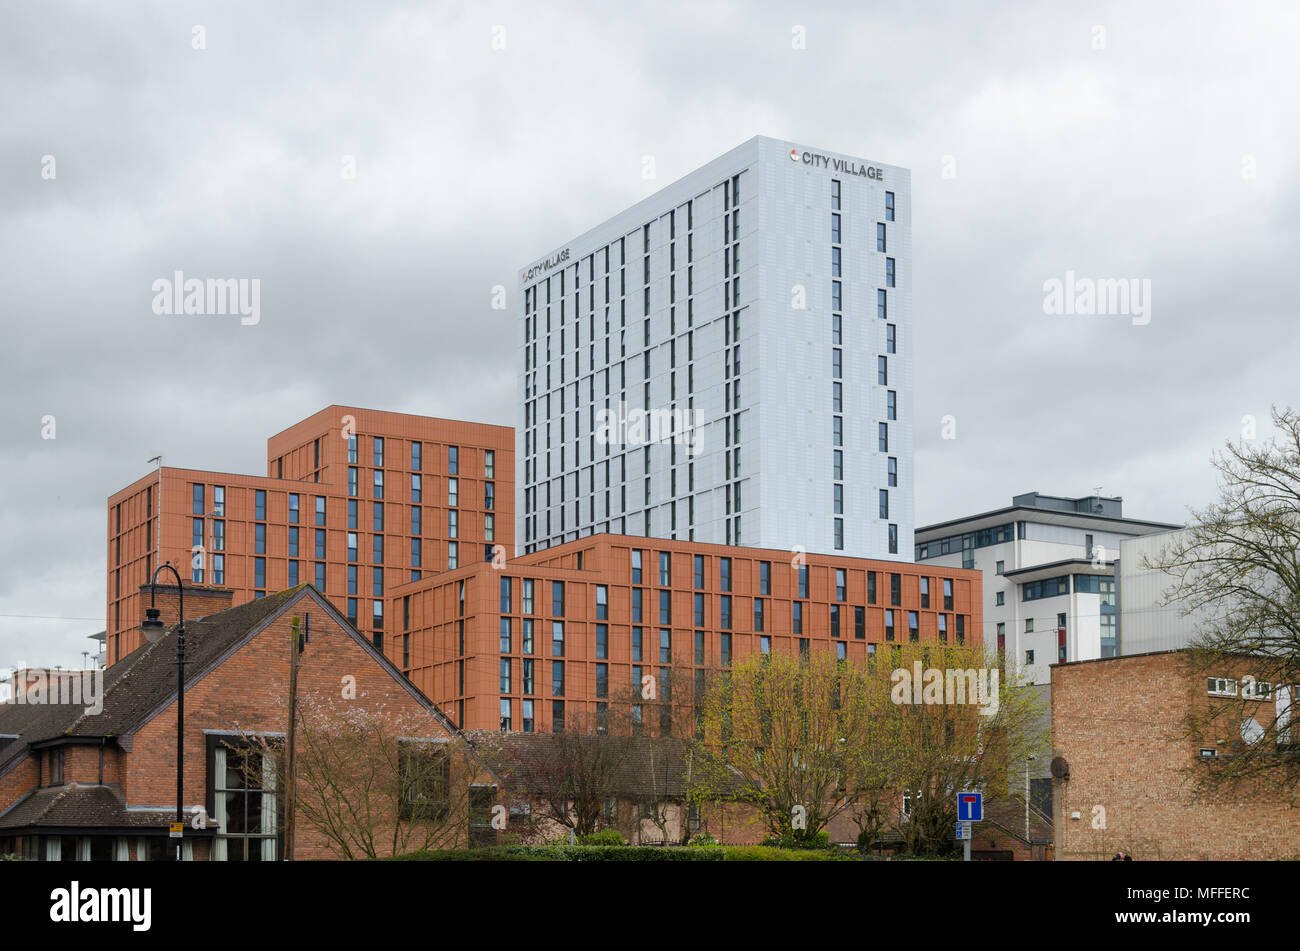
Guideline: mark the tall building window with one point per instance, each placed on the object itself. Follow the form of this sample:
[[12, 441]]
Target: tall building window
[[453, 460], [882, 308], [219, 500], [489, 464], [889, 206], [293, 508], [417, 456], [880, 237], [199, 507], [320, 510], [889, 272]]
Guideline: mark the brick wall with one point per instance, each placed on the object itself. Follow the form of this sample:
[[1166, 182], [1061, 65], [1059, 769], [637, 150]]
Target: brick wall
[[1118, 722]]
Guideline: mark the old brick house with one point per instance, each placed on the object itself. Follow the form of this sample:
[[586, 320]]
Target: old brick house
[[1126, 764], [642, 785], [81, 785]]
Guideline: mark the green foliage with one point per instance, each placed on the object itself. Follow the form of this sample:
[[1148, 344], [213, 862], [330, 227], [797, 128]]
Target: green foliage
[[702, 839], [603, 837], [10, 857], [626, 853], [818, 840], [554, 853], [764, 853]]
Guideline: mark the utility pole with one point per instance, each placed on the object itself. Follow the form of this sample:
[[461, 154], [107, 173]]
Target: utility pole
[[290, 774]]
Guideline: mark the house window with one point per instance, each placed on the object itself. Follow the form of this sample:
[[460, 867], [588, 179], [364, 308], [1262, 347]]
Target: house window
[[424, 775], [245, 805], [1221, 686]]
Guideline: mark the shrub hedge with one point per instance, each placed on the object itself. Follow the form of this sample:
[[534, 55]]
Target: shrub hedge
[[623, 853]]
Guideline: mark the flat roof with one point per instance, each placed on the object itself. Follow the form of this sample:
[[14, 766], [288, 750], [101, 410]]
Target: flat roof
[[1050, 516]]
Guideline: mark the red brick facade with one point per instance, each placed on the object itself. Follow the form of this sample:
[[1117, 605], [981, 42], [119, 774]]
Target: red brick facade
[[248, 533], [464, 675], [1118, 724]]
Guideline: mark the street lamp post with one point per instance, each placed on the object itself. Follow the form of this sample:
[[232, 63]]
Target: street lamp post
[[152, 627]]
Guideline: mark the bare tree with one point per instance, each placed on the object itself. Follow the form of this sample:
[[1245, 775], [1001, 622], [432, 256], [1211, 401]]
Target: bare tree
[[1236, 573], [370, 781], [569, 775]]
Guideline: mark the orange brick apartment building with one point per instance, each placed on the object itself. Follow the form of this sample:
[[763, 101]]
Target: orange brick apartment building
[[355, 501], [1117, 727], [101, 786], [552, 636]]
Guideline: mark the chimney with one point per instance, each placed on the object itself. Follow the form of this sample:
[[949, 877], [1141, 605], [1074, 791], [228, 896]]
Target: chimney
[[200, 601]]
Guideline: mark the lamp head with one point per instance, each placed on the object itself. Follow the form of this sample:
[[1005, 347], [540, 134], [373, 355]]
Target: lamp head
[[152, 626]]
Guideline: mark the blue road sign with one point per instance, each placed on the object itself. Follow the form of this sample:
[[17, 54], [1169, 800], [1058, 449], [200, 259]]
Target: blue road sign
[[963, 831], [970, 807]]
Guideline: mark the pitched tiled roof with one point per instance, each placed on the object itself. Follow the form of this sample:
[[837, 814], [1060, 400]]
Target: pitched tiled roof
[[140, 682], [81, 805]]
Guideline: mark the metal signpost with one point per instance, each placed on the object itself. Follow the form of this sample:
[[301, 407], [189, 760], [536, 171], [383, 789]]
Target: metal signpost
[[970, 808]]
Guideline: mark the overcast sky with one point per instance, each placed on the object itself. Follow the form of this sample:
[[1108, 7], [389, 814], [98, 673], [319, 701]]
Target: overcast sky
[[1147, 141]]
